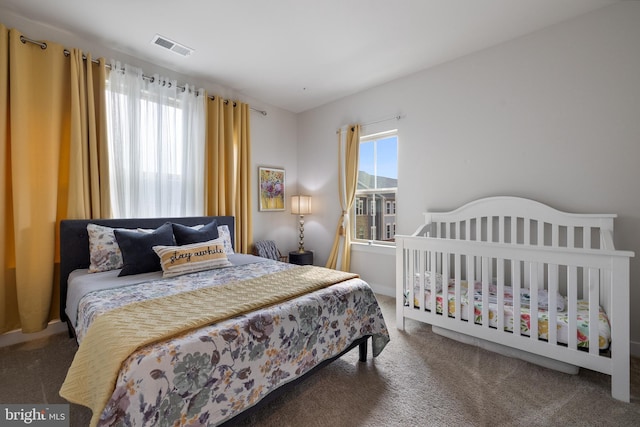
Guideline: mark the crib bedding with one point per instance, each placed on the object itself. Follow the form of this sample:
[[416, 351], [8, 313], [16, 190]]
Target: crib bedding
[[604, 339], [211, 374]]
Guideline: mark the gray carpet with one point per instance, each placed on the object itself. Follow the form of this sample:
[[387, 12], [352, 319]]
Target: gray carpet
[[420, 379]]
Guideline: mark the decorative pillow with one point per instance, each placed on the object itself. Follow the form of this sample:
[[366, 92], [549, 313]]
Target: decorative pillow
[[104, 252], [176, 260], [225, 235], [186, 235], [137, 249], [150, 230]]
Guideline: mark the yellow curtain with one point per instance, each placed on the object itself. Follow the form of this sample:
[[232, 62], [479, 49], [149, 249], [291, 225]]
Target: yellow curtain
[[88, 158], [347, 185], [43, 130], [228, 173]]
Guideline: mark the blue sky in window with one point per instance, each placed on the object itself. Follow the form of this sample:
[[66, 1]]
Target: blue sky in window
[[386, 155]]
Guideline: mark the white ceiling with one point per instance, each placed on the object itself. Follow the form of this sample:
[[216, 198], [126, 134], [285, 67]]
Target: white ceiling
[[300, 54]]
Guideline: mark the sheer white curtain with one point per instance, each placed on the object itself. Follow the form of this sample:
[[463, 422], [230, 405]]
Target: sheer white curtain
[[156, 140]]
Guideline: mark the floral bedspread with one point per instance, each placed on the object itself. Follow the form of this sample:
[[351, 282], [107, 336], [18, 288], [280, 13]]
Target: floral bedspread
[[211, 374]]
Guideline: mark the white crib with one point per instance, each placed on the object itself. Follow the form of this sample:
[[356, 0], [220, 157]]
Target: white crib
[[561, 261]]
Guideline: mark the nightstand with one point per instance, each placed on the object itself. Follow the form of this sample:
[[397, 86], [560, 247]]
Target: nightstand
[[301, 258]]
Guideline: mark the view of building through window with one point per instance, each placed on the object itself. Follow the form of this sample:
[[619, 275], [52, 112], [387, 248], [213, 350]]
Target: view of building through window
[[375, 203]]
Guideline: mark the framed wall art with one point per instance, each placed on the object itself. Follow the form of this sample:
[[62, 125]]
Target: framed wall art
[[271, 187]]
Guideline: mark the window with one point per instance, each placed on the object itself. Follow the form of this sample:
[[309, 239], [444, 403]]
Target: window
[[375, 204], [156, 147]]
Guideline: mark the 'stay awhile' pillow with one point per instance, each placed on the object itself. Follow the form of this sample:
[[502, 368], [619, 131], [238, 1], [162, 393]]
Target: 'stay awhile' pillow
[[176, 260]]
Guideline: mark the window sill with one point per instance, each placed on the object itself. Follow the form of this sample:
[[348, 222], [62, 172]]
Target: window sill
[[373, 248]]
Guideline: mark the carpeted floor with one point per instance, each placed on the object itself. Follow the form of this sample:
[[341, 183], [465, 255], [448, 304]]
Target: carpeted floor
[[420, 379]]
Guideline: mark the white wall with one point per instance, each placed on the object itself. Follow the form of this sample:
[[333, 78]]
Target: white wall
[[553, 116], [274, 143]]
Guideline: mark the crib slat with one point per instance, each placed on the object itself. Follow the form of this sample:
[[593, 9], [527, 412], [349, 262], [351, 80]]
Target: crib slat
[[540, 230], [432, 286], [541, 274], [572, 307], [413, 258], [445, 284], [552, 329], [555, 235], [516, 284], [470, 287], [514, 230], [478, 238], [424, 266], [571, 237], [467, 234], [501, 238], [485, 291], [457, 278], [533, 302], [500, 290], [489, 229], [586, 237], [420, 267], [594, 293]]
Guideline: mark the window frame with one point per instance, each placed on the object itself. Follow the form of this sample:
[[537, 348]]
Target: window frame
[[371, 209]]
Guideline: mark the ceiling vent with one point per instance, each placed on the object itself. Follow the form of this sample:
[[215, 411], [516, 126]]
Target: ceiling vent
[[178, 48]]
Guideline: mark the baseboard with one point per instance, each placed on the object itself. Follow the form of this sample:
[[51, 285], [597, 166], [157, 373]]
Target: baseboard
[[17, 337]]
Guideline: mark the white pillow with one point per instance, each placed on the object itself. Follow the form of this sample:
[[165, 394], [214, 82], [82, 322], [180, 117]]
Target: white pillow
[[225, 235]]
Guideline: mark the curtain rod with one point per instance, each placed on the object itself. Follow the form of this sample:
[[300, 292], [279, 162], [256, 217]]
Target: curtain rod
[[386, 119], [66, 52]]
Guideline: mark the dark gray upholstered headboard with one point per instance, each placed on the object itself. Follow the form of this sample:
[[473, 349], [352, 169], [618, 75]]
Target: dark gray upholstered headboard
[[74, 241]]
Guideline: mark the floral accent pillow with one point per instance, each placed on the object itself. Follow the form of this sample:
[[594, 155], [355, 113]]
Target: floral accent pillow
[[225, 235], [104, 252]]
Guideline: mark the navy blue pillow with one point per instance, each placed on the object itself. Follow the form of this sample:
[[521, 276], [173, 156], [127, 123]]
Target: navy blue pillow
[[137, 249], [186, 235]]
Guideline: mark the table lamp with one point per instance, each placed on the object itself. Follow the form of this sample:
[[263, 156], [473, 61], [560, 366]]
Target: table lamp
[[301, 205]]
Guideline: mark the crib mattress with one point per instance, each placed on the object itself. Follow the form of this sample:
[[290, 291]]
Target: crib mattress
[[525, 316]]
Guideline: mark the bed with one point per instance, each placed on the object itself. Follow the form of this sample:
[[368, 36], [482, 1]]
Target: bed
[[198, 346], [518, 277]]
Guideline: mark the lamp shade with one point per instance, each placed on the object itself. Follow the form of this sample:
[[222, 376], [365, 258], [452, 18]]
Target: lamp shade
[[301, 205]]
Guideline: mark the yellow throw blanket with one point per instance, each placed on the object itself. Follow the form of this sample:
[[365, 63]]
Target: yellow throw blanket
[[115, 335]]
